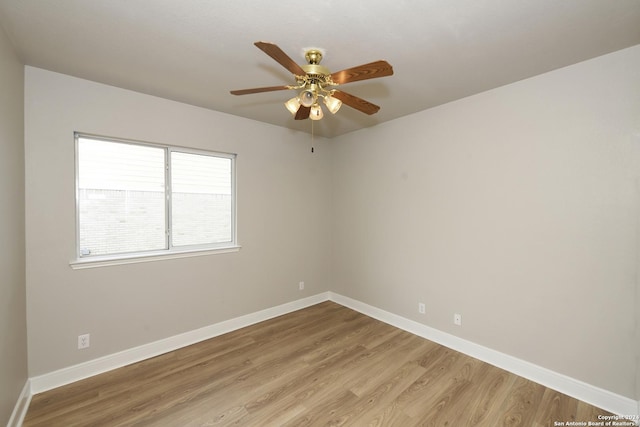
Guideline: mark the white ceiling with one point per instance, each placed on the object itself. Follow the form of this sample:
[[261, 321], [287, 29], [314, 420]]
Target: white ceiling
[[195, 51]]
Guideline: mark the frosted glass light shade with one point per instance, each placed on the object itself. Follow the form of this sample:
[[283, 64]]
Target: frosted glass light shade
[[307, 98], [316, 112], [292, 105], [333, 104]]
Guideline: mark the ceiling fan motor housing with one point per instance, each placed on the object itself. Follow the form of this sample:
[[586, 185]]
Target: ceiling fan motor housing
[[315, 69]]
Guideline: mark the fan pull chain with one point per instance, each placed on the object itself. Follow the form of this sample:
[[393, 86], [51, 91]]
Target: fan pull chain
[[312, 136]]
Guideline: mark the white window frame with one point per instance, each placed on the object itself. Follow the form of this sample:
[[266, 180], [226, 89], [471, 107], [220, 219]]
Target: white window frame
[[170, 252]]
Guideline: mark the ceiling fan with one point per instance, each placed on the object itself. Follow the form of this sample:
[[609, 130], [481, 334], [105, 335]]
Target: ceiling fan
[[316, 82]]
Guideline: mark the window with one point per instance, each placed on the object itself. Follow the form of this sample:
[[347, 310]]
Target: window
[[136, 199]]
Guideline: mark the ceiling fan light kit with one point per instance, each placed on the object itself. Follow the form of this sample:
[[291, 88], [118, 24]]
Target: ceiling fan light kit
[[316, 81]]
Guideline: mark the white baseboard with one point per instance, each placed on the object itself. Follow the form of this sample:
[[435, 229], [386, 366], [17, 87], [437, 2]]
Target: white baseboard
[[596, 396], [103, 364], [20, 410], [587, 393]]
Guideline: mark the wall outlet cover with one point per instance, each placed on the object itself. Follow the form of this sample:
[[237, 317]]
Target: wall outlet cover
[[457, 319], [84, 341]]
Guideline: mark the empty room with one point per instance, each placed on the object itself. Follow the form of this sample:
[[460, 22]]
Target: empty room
[[408, 213]]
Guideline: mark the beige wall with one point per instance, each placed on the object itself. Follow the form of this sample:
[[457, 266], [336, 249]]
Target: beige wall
[[13, 340], [517, 208], [283, 209]]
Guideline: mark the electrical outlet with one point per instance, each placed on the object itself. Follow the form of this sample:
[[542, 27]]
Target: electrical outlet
[[421, 308], [457, 319], [84, 341], [301, 286]]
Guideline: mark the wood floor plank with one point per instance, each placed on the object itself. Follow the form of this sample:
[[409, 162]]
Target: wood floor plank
[[522, 403], [439, 370], [488, 395], [324, 410], [555, 406], [384, 393], [440, 407], [325, 365], [456, 403], [407, 351]]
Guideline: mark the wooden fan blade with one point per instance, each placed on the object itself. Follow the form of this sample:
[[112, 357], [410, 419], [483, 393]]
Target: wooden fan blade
[[258, 90], [282, 58], [303, 113], [355, 102], [372, 70]]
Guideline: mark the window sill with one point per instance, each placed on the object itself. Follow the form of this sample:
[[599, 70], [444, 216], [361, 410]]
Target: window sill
[[80, 264]]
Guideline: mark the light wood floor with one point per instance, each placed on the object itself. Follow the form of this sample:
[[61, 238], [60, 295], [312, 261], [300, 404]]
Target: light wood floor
[[322, 366]]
